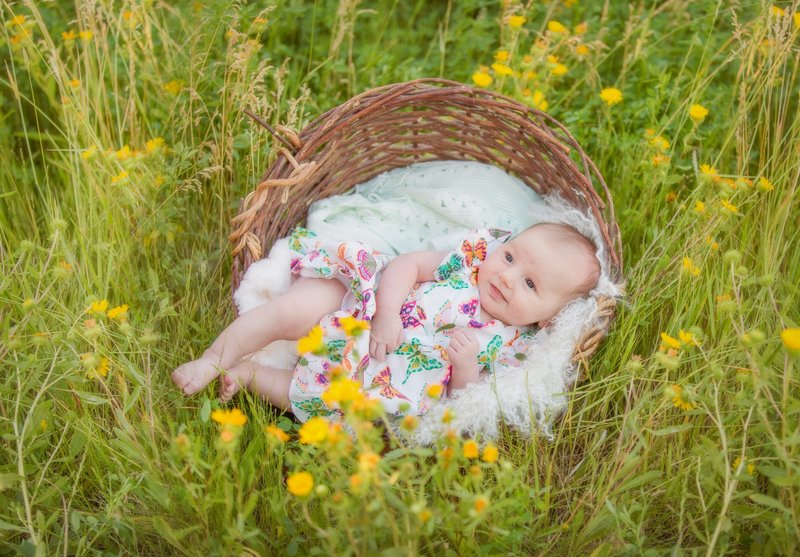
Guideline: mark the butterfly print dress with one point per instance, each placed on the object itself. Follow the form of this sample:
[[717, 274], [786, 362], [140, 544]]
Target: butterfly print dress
[[430, 314]]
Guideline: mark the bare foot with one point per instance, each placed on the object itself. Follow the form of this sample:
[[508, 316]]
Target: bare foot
[[193, 376], [232, 382]]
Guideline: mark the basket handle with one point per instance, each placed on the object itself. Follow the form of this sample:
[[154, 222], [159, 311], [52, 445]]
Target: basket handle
[[292, 143]]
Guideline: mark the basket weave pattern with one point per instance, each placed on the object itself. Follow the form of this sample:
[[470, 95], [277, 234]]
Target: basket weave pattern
[[427, 119]]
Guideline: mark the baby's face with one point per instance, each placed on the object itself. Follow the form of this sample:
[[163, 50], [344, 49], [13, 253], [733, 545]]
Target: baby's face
[[531, 277]]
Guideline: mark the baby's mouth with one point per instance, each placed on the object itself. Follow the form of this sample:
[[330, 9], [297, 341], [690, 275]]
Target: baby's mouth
[[495, 293]]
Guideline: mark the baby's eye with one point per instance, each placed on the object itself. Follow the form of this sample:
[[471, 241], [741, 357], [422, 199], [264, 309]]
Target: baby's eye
[[530, 284], [509, 258]]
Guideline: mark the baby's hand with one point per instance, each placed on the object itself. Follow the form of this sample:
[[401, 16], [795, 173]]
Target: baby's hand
[[385, 335], [463, 349], [462, 353]]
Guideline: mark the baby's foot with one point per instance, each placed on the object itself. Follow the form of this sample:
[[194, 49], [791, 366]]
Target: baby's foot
[[231, 383], [192, 376]]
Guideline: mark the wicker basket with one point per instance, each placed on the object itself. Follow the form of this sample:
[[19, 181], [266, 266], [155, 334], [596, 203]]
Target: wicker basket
[[426, 119]]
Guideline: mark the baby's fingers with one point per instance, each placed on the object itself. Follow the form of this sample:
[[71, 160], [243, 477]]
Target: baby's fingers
[[377, 350]]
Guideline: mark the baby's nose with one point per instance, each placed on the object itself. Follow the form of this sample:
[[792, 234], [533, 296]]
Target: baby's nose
[[505, 278]]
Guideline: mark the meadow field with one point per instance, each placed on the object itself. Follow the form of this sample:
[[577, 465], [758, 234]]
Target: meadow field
[[126, 152]]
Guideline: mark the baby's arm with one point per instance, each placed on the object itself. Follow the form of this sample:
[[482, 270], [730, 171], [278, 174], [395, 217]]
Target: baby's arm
[[462, 352], [397, 280]]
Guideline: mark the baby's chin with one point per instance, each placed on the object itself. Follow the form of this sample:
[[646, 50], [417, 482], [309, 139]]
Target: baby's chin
[[484, 315]]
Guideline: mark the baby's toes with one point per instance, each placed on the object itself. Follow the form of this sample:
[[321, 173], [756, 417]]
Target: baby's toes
[[227, 388], [194, 385], [180, 377]]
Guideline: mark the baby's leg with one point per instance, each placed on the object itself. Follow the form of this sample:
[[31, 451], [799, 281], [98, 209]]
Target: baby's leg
[[271, 383], [287, 317]]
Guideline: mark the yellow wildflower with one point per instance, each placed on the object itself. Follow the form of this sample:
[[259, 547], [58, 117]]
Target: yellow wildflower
[[581, 50], [336, 434], [119, 177], [356, 481], [728, 206], [276, 433], [501, 56], [711, 242], [690, 267], [233, 417], [18, 20], [101, 370], [670, 197], [424, 515], [611, 95], [708, 170], [174, 87], [367, 408], [314, 431], [434, 390], [480, 504], [300, 484], [777, 12], [481, 79], [796, 18], [447, 416], [74, 82], [447, 454], [490, 453], [409, 423], [559, 69], [353, 327], [749, 467], [69, 35], [791, 340], [659, 142], [154, 144], [539, 101], [670, 342], [86, 36], [119, 312], [699, 207], [698, 112], [341, 392], [470, 449], [677, 399], [765, 184], [99, 308], [89, 153], [501, 69], [368, 461], [556, 27], [687, 337], [659, 159], [581, 28], [311, 342], [125, 153], [516, 21]]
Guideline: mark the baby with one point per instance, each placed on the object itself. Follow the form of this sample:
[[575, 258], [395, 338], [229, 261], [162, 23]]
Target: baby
[[435, 317]]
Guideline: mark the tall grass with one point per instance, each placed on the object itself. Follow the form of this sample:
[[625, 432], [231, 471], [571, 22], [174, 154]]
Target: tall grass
[[125, 152]]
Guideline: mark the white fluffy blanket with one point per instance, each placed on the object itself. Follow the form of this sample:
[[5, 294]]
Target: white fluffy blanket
[[428, 206]]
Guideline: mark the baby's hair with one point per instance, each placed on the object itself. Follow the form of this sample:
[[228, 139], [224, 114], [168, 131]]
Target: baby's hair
[[586, 246]]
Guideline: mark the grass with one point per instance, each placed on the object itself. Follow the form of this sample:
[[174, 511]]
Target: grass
[[690, 449]]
